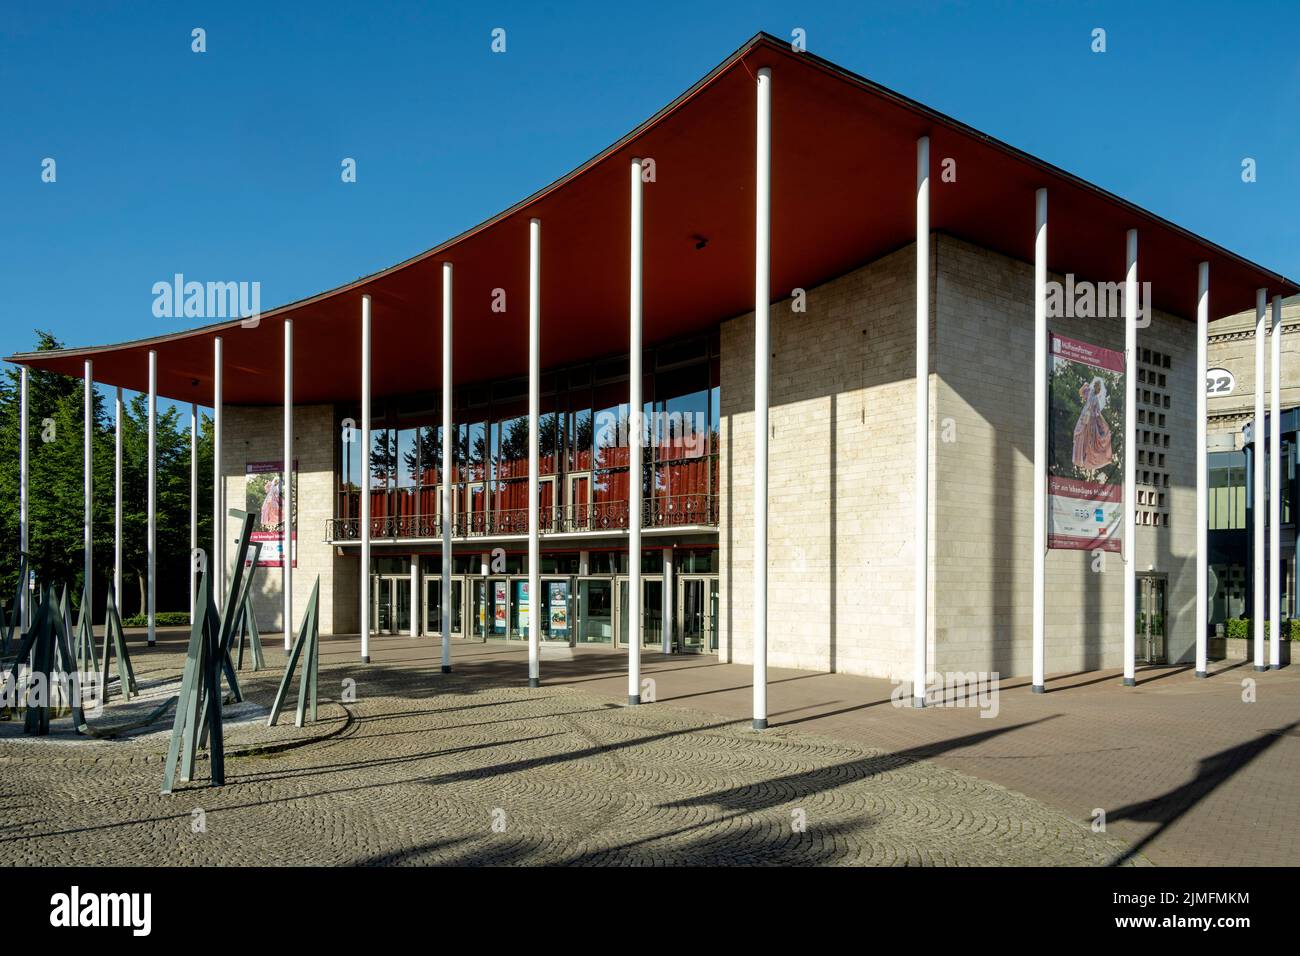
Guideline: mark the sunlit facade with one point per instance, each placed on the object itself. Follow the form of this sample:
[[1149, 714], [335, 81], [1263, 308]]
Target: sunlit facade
[[583, 493]]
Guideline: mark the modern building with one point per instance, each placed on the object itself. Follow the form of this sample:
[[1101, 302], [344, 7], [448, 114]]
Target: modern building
[[856, 482], [1231, 385]]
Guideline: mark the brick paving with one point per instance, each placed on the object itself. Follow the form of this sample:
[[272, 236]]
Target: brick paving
[[1187, 772], [475, 768]]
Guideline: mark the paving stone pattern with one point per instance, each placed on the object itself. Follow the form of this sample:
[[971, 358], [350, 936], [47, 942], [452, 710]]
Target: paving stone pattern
[[424, 768]]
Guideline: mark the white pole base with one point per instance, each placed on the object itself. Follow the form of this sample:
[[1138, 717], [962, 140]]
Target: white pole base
[[1130, 682], [1040, 689]]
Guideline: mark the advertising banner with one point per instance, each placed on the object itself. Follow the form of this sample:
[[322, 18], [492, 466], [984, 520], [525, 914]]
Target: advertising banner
[[499, 607], [1085, 476], [266, 499], [558, 608]]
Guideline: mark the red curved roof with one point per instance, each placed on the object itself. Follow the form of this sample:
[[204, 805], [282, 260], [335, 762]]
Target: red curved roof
[[843, 181]]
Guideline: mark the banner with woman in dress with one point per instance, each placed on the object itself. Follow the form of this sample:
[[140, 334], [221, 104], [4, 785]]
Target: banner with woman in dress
[[1085, 481]]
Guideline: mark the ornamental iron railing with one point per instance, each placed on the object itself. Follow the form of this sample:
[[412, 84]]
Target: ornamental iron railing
[[661, 511]]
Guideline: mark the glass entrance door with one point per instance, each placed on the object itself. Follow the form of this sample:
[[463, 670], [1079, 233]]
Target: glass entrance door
[[557, 610], [652, 610], [402, 604], [390, 603], [595, 611], [1151, 611], [697, 614], [433, 606], [481, 610], [381, 611]]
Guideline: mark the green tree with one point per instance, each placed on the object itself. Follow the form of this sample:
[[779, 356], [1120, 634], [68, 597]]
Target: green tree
[[55, 434]]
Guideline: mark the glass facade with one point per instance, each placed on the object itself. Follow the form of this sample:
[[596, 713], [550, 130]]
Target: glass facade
[[583, 452], [1231, 528], [1227, 490], [584, 480]]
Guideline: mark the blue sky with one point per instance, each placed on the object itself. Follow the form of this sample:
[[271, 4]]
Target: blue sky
[[225, 165]]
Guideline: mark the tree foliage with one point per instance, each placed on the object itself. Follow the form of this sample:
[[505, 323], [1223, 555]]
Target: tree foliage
[[55, 434]]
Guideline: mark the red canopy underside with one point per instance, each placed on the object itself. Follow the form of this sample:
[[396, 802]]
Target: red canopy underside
[[843, 187]]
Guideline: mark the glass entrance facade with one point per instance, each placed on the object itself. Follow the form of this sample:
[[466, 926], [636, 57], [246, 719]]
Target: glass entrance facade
[[574, 609], [583, 444], [595, 611], [1231, 522]]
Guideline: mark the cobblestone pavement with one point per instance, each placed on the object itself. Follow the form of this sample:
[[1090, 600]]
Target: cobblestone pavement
[[1189, 772], [426, 768]]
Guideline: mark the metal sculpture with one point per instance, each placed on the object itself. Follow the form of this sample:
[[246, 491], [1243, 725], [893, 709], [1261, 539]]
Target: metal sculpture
[[246, 619], [45, 646], [307, 647], [115, 642], [84, 644], [198, 711], [65, 608], [13, 617]]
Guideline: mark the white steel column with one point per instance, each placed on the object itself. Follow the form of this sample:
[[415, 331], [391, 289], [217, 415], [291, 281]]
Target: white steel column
[[416, 603], [23, 518], [1202, 464], [1130, 458], [448, 463], [1275, 490], [669, 621], [153, 496], [635, 434], [762, 322], [117, 504], [921, 483], [1257, 464], [484, 567], [1040, 443], [88, 485], [534, 404], [194, 493], [217, 560], [286, 492], [364, 490]]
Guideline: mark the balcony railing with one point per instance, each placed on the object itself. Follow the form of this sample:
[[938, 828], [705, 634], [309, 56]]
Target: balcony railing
[[672, 511]]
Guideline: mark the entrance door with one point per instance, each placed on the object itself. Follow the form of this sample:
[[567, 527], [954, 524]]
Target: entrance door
[[381, 611], [433, 605], [557, 609], [652, 611], [595, 611], [402, 604], [1151, 611], [390, 603], [697, 614], [481, 612]]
